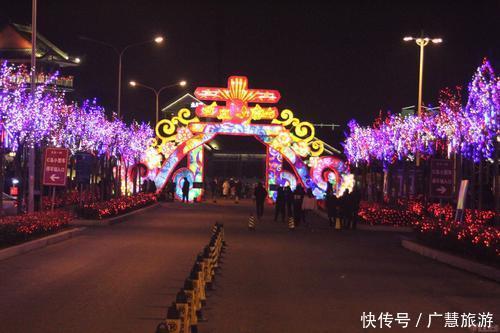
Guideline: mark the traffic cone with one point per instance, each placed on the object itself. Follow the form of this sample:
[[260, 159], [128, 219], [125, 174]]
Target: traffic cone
[[291, 224], [251, 223], [338, 224]]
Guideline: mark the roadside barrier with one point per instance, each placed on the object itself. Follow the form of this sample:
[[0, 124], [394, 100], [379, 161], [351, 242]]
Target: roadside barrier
[[291, 224], [185, 313]]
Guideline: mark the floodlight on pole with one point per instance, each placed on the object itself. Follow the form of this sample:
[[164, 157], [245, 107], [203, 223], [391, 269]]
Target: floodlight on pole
[[120, 52], [421, 42], [157, 92]]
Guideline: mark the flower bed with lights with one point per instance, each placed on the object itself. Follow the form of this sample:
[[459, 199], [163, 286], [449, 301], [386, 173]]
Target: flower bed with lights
[[380, 214], [477, 236], [117, 206], [69, 198], [479, 239], [16, 229]]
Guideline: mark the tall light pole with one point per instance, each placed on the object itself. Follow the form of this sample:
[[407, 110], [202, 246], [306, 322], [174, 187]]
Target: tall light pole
[[120, 52], [422, 42], [157, 92]]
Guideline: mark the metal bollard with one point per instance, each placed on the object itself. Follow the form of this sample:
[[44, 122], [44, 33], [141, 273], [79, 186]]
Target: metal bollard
[[291, 224]]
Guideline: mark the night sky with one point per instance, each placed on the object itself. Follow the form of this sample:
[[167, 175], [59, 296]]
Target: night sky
[[331, 63]]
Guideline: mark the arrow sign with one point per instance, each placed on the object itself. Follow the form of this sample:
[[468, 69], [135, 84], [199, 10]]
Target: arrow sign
[[53, 177], [55, 166], [442, 190], [442, 178]]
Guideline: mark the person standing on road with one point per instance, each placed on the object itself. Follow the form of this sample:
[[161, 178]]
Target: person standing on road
[[225, 188], [288, 195], [308, 204], [345, 209], [238, 187], [298, 197], [356, 199], [260, 196], [213, 189], [279, 209], [185, 190], [331, 204]]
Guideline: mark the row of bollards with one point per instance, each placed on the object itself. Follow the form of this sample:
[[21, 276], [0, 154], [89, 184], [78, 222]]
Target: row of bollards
[[185, 313]]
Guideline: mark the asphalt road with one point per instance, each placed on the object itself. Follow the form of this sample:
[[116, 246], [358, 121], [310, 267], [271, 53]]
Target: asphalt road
[[121, 278]]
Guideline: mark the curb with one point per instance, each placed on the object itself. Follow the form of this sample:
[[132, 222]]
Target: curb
[[368, 227], [452, 260], [39, 243], [111, 220]]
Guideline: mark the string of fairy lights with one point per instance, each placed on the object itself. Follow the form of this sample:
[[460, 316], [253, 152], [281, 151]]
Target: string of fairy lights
[[48, 118], [470, 130]]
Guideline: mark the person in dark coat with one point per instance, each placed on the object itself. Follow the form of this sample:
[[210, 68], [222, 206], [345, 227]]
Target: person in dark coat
[[288, 194], [331, 204], [238, 189], [152, 186], [185, 190], [260, 196], [346, 209], [298, 197], [213, 189], [279, 209], [356, 200]]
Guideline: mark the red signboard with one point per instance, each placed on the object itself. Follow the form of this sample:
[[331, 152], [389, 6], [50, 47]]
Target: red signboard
[[55, 166], [441, 178]]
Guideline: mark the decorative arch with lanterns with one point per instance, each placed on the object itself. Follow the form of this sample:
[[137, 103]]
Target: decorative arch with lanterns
[[286, 138]]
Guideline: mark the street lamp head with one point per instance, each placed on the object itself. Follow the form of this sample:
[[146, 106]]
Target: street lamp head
[[158, 39], [183, 83], [437, 40], [77, 60], [408, 38], [133, 83]]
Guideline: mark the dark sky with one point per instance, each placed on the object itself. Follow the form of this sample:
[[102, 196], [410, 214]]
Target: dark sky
[[331, 63]]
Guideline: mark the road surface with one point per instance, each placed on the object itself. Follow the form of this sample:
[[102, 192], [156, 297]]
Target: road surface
[[121, 278]]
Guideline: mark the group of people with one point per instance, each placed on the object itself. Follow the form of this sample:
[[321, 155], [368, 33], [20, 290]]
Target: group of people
[[231, 188], [343, 211], [292, 204], [289, 203], [148, 186]]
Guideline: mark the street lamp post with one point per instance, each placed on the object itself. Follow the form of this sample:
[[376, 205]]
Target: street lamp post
[[422, 43], [157, 92], [120, 52]]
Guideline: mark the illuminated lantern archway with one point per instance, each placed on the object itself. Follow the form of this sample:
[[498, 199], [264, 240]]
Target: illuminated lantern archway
[[286, 138]]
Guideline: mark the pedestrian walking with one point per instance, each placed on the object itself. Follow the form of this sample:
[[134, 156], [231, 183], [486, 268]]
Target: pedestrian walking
[[225, 188], [260, 194], [356, 200], [308, 204], [345, 209], [298, 197], [238, 189], [152, 186], [213, 189], [331, 204], [185, 190], [288, 201], [279, 208]]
